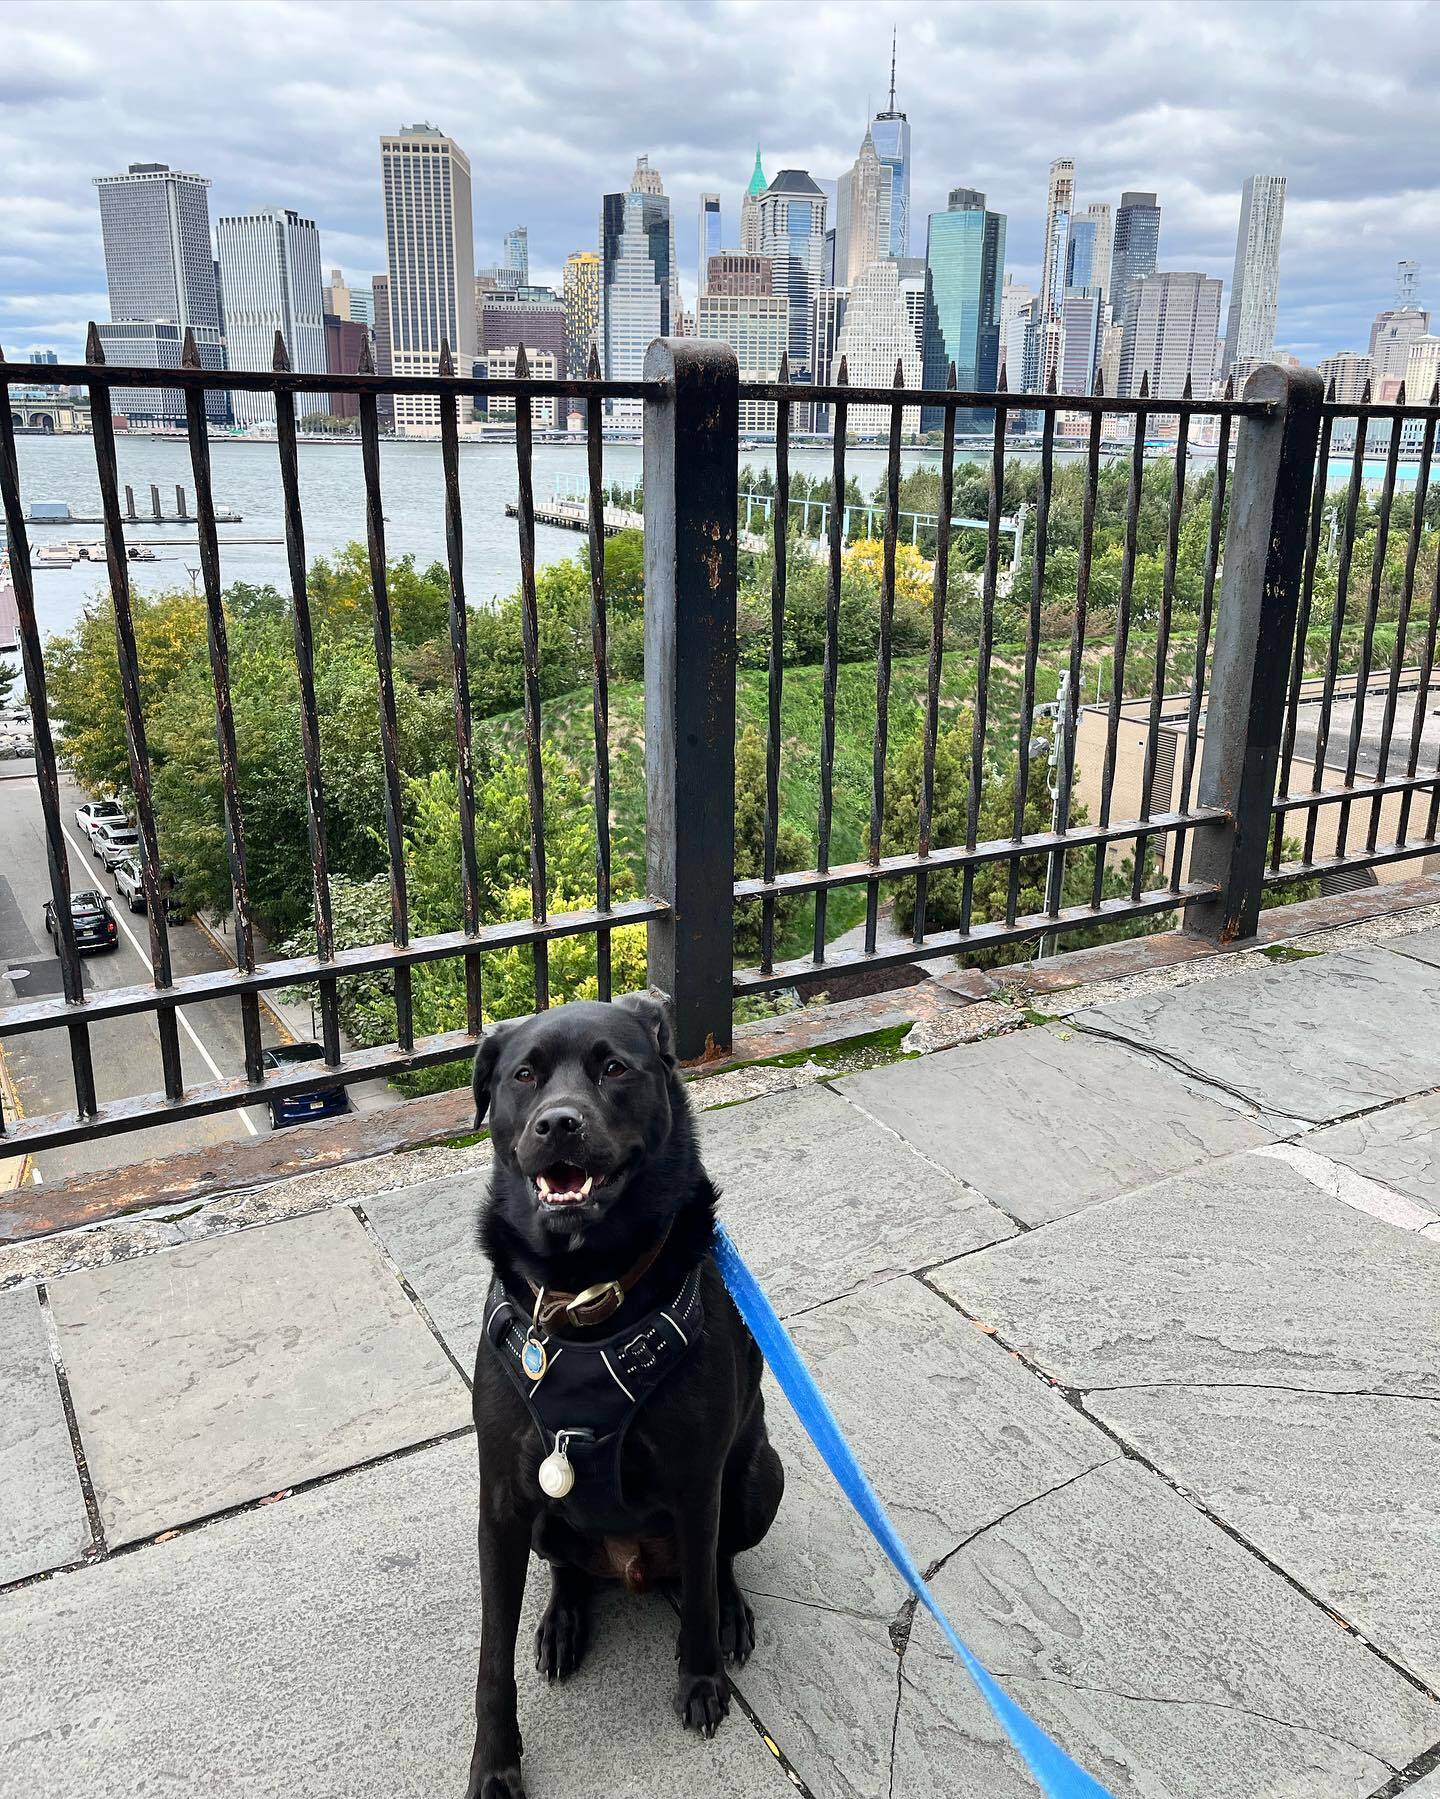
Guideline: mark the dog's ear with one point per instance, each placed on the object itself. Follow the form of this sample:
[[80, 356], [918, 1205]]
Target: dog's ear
[[654, 1013], [483, 1073]]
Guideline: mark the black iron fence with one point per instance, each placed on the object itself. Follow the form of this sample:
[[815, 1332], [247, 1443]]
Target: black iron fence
[[1201, 820]]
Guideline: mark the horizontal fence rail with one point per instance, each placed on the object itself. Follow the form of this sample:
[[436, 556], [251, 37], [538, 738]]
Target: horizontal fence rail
[[1143, 700]]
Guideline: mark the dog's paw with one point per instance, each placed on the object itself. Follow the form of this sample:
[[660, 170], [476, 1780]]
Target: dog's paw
[[504, 1783], [703, 1701], [737, 1627], [561, 1640]]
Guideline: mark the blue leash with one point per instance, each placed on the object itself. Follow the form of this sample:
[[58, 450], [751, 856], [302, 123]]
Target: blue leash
[[1053, 1770]]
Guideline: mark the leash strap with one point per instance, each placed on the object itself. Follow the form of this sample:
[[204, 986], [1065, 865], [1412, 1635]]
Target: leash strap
[[1054, 1772]]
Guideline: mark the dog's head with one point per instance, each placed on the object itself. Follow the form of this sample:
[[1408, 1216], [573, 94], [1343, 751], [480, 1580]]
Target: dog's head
[[589, 1121]]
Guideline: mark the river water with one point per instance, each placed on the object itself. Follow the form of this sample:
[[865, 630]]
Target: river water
[[245, 479]]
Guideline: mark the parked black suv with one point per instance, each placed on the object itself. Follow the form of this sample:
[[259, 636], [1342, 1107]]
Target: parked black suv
[[92, 918]]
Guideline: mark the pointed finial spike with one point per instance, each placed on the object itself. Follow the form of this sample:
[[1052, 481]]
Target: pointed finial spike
[[1002, 386], [1330, 390], [1189, 390], [1435, 394], [2, 352], [280, 356], [1229, 387], [189, 355], [842, 379], [94, 349], [592, 371], [447, 361], [950, 380], [1099, 388], [1050, 387], [899, 371], [1400, 395], [1365, 397], [1145, 385], [366, 363], [522, 364], [784, 373]]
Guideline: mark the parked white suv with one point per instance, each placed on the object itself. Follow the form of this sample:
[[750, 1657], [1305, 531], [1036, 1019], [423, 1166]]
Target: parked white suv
[[98, 812], [130, 883], [113, 841]]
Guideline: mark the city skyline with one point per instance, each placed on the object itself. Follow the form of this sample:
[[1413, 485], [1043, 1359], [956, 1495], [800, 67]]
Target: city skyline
[[1353, 209]]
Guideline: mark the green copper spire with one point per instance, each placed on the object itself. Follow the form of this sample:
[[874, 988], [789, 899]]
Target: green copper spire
[[758, 183]]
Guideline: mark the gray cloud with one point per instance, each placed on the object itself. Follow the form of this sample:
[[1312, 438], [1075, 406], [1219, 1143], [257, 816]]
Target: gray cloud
[[282, 103]]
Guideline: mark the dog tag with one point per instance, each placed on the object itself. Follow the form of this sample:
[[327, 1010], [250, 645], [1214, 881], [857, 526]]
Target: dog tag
[[556, 1474], [533, 1358]]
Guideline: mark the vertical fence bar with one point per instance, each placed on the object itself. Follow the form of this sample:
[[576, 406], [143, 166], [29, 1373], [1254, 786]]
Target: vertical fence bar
[[776, 671], [460, 675], [1427, 654], [937, 661], [385, 679], [1202, 632], [1302, 626], [118, 568], [983, 654], [831, 671], [197, 428], [1122, 633], [1337, 622], [882, 663], [1367, 644], [692, 453], [1032, 651], [530, 649], [600, 688], [1162, 647], [1068, 721], [47, 773], [1254, 630], [304, 635]]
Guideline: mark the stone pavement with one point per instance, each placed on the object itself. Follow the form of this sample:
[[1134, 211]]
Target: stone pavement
[[1132, 1314]]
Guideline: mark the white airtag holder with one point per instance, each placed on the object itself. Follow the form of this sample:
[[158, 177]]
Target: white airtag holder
[[557, 1475]]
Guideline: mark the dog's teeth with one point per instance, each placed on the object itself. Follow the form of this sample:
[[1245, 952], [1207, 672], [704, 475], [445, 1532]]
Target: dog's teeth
[[585, 1190], [542, 1184]]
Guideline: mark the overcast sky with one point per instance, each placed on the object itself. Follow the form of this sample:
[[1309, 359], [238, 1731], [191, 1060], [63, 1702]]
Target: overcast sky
[[282, 104]]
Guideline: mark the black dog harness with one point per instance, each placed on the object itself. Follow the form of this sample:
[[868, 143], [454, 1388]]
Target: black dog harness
[[583, 1396]]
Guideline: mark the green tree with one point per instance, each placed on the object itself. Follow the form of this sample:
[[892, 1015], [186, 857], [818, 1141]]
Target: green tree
[[791, 848]]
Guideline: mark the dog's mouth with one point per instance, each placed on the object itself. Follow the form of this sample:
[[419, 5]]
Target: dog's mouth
[[566, 1184]]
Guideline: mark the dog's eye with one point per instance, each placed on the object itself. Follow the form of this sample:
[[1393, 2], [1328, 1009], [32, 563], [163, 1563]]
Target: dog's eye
[[526, 1074], [613, 1069]]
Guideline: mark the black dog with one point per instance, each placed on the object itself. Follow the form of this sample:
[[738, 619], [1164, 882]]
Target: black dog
[[611, 1353]]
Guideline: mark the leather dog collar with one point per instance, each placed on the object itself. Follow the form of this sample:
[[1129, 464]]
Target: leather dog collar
[[592, 1305]]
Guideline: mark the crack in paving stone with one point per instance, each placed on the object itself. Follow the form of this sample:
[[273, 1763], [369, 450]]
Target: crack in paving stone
[[1243, 1386], [1411, 1774], [1194, 1074], [1218, 1705]]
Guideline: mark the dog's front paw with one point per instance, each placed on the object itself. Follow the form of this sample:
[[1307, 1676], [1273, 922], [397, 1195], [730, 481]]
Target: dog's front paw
[[503, 1783], [737, 1627], [703, 1701], [561, 1640]]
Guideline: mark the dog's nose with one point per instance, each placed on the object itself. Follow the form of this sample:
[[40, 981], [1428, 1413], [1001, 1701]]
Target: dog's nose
[[559, 1121]]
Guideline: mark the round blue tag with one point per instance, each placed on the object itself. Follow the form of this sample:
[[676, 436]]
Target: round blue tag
[[533, 1358]]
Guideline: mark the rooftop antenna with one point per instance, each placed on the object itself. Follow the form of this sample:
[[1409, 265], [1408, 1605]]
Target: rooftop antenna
[[892, 67]]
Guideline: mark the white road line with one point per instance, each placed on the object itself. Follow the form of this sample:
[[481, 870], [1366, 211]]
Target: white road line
[[184, 1022]]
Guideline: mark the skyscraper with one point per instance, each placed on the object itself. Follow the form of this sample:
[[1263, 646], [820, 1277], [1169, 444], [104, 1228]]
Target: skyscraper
[[1016, 301], [517, 253], [792, 235], [750, 207], [1351, 375], [582, 311], [637, 280], [1097, 213], [875, 335], [270, 270], [335, 296], [429, 237], [739, 272], [1080, 256], [757, 328], [1255, 284], [1391, 336], [160, 269], [1080, 352], [862, 214], [890, 132], [1059, 203], [1172, 328], [711, 241], [964, 266], [1137, 246]]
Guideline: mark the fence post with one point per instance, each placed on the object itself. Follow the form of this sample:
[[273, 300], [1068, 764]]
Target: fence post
[[1254, 636], [692, 453]]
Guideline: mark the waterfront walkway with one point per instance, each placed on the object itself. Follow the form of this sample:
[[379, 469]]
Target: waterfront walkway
[[1129, 1306]]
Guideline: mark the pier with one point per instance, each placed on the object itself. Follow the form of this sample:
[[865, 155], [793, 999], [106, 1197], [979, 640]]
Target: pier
[[57, 512]]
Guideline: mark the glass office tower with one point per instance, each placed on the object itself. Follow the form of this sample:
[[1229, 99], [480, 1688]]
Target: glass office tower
[[964, 270]]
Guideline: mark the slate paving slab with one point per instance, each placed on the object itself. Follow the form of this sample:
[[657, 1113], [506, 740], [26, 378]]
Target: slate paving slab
[[429, 1232], [1340, 1492], [42, 1510], [1399, 1146], [951, 1430], [1423, 945], [324, 1648], [1160, 1654], [221, 1371], [1244, 1273], [822, 1200], [1045, 1122], [1315, 1039]]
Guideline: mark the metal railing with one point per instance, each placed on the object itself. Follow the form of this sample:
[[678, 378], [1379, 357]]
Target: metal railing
[[1208, 851]]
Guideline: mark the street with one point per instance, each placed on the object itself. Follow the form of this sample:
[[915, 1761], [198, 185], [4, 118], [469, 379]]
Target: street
[[126, 1051]]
